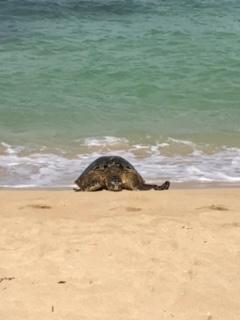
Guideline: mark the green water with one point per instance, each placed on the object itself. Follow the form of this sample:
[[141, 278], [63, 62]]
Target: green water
[[72, 69], [139, 70]]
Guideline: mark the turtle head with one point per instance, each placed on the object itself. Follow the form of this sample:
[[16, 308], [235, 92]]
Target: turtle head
[[114, 183]]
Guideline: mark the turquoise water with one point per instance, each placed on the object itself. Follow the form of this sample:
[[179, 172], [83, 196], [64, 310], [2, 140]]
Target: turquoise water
[[155, 81]]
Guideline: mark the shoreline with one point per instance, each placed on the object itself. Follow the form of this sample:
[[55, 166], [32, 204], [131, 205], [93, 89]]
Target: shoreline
[[173, 186], [173, 160]]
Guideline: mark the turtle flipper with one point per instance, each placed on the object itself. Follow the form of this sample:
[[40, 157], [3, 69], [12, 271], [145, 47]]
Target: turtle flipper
[[164, 186], [146, 186], [94, 186], [77, 189]]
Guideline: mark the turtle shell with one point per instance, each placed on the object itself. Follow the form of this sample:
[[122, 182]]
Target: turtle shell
[[107, 162]]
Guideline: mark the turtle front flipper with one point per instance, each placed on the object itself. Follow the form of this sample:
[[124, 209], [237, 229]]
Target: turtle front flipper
[[77, 189], [94, 186], [146, 186], [164, 186]]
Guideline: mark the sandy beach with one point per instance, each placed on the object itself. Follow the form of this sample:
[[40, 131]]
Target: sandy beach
[[128, 255]]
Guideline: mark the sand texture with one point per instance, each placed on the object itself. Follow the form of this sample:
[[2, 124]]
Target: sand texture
[[120, 256]]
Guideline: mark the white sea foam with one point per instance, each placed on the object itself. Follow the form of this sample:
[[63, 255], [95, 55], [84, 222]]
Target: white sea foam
[[179, 141], [103, 141], [20, 168]]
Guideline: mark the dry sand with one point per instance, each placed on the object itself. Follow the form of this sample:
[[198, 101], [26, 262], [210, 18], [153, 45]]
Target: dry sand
[[128, 255]]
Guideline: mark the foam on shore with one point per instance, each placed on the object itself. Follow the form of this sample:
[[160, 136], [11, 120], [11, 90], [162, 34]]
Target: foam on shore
[[176, 160]]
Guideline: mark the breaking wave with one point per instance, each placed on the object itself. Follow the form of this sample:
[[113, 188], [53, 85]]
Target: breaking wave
[[180, 161]]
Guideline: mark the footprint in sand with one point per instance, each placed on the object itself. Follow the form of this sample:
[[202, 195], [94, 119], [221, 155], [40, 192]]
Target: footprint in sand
[[132, 209], [129, 209], [37, 206], [231, 225], [214, 207], [6, 279], [40, 206]]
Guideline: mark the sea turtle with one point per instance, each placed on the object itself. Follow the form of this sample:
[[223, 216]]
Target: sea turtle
[[113, 173]]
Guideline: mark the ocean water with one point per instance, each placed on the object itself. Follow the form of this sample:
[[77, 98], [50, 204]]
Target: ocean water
[[156, 81]]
